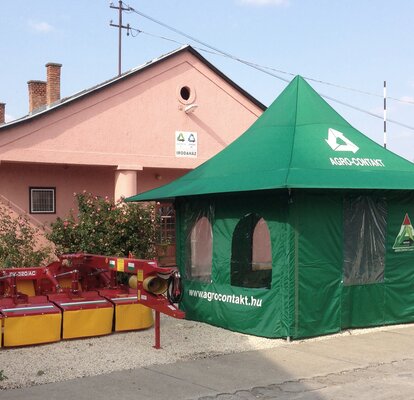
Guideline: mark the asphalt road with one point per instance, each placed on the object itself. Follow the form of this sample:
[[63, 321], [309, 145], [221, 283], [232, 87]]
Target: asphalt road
[[376, 365]]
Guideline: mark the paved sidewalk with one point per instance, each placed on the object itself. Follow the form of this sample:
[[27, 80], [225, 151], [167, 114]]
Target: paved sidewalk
[[376, 365]]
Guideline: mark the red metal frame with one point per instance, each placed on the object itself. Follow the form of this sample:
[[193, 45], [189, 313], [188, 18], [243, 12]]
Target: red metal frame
[[142, 269], [36, 305], [92, 276]]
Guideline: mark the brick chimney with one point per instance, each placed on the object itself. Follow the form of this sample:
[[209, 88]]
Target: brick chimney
[[37, 95], [53, 83], [2, 113]]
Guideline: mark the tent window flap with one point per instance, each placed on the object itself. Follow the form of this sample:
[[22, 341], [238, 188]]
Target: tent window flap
[[251, 257], [200, 243], [365, 220]]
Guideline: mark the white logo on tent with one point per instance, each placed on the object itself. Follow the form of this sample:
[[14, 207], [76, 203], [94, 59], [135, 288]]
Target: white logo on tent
[[344, 145]]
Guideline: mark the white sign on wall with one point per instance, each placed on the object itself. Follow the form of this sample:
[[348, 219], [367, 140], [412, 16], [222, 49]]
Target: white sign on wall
[[186, 144]]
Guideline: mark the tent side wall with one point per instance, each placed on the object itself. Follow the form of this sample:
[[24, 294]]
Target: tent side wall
[[317, 223], [392, 300], [399, 272], [326, 301], [260, 311], [312, 238]]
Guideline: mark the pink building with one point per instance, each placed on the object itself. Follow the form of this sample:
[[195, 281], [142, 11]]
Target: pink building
[[119, 138]]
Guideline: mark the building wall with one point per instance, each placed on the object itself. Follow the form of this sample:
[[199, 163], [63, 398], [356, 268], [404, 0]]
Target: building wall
[[120, 138], [151, 178], [133, 122], [16, 179]]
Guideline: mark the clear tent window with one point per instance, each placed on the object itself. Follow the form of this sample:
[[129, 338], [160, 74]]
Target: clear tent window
[[365, 222]]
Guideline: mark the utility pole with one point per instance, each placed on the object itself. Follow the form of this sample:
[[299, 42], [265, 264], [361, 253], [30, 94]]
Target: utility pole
[[385, 114], [120, 8]]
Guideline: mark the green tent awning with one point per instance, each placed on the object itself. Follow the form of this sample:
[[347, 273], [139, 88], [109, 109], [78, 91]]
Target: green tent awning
[[300, 141]]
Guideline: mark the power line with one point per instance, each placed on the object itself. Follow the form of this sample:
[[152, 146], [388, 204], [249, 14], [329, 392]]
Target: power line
[[221, 54], [218, 51], [206, 44], [266, 70], [401, 100], [261, 67]]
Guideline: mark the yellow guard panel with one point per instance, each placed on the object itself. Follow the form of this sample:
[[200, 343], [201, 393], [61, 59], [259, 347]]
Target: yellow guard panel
[[32, 329], [26, 287], [84, 323], [66, 283], [130, 317]]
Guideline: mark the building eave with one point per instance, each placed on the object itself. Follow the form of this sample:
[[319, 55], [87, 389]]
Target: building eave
[[79, 95]]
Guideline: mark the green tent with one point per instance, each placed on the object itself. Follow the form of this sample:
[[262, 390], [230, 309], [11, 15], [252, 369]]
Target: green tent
[[300, 227]]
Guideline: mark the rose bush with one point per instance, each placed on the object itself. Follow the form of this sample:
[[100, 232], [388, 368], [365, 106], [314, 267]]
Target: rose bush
[[107, 228], [19, 245]]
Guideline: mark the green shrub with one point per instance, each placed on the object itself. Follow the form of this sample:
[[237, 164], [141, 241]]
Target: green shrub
[[2, 376], [107, 228], [18, 242]]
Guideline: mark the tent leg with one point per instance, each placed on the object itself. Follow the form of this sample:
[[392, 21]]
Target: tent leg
[[288, 339], [157, 331]]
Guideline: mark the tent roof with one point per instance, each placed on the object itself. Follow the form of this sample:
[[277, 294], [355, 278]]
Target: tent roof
[[300, 141]]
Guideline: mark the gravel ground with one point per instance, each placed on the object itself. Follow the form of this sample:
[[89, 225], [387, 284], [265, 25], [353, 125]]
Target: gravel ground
[[180, 340]]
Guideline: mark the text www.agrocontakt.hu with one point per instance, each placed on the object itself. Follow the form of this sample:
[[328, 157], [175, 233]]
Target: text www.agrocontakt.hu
[[226, 298]]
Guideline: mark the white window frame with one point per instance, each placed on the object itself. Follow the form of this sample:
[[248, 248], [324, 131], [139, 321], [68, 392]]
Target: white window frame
[[42, 189]]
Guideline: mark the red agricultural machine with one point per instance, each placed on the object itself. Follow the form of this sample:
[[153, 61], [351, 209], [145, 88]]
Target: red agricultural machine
[[80, 296]]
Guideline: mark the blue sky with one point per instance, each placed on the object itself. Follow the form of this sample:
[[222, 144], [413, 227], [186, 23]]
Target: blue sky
[[356, 44]]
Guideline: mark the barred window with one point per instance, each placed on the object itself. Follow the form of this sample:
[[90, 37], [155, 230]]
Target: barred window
[[166, 213], [42, 200]]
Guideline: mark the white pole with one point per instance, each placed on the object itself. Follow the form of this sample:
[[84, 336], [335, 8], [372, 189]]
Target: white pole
[[385, 114]]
